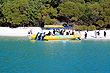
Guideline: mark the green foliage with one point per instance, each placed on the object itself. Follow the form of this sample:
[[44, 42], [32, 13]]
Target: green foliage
[[80, 1], [100, 23], [36, 12], [44, 1], [78, 27], [92, 27], [83, 27], [49, 20], [47, 14], [79, 9], [63, 1], [81, 21], [74, 18], [2, 1], [95, 8], [66, 9], [94, 0], [0, 13], [13, 12], [93, 11], [107, 20], [71, 9], [32, 11], [107, 11], [52, 11], [105, 4], [0, 6]]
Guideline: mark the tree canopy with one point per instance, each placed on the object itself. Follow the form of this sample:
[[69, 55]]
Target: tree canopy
[[91, 14]]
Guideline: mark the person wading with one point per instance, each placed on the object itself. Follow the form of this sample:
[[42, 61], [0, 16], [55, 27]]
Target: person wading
[[85, 35]]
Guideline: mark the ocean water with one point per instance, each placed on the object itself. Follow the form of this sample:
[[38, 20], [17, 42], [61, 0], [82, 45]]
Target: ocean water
[[19, 54]]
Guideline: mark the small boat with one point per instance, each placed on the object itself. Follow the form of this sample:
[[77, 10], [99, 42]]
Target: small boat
[[41, 36], [60, 37]]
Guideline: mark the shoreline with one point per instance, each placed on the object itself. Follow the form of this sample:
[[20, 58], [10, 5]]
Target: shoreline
[[23, 32]]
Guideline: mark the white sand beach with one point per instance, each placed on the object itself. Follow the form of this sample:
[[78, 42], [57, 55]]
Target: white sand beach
[[91, 35], [20, 31], [23, 31]]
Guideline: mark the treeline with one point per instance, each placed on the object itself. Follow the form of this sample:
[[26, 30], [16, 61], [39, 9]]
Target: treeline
[[92, 14]]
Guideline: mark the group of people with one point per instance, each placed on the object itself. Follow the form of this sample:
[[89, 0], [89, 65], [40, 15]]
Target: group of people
[[97, 34], [40, 36], [57, 32], [60, 32]]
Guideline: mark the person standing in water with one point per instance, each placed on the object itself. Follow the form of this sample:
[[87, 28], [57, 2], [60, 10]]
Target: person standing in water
[[95, 34], [105, 34], [85, 35], [98, 33]]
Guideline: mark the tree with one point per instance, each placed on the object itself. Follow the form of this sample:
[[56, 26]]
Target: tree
[[37, 12], [13, 12], [92, 27], [107, 20], [83, 27], [95, 9], [80, 1], [106, 11], [46, 14], [71, 10], [0, 11], [0, 14], [2, 1], [31, 12], [93, 0], [100, 23], [92, 13]]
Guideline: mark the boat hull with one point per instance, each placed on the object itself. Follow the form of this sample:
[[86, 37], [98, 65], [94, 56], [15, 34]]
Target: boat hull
[[33, 36], [60, 37]]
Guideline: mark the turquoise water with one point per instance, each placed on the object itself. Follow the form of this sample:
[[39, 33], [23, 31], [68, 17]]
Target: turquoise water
[[18, 54]]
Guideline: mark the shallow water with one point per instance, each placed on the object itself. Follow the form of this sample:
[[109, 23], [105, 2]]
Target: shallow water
[[19, 54]]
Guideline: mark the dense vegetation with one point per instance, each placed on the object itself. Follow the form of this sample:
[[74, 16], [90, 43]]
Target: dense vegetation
[[91, 14]]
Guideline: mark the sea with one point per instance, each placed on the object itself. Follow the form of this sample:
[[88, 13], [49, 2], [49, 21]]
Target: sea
[[21, 55]]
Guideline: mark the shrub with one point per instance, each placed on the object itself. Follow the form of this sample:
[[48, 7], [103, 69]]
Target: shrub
[[92, 27], [83, 27]]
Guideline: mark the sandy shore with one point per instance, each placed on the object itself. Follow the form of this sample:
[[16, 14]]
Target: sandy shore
[[20, 31], [91, 35], [23, 31]]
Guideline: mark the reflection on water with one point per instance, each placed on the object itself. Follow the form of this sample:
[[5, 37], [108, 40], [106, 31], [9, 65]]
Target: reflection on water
[[75, 40], [33, 41], [64, 41], [52, 41], [19, 54]]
